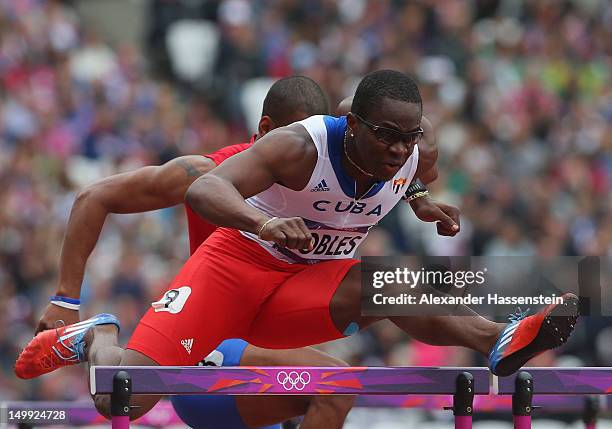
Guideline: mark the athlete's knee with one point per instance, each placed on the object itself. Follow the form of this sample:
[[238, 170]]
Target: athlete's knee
[[345, 306], [333, 361], [139, 404]]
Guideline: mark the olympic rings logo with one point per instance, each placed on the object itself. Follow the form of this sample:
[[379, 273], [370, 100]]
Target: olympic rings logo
[[293, 380]]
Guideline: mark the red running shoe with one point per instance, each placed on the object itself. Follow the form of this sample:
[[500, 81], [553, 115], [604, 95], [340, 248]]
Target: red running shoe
[[58, 347], [526, 337]]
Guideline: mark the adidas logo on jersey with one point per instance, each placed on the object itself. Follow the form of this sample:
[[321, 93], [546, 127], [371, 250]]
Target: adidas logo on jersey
[[321, 187], [187, 343]]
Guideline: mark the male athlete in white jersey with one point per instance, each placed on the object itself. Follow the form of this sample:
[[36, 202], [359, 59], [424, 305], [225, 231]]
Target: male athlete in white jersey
[[303, 198]]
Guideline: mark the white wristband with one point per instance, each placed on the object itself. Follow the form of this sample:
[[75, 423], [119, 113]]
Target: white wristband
[[67, 305]]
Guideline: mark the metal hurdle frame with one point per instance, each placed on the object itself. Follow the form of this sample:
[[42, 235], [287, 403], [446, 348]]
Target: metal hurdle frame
[[83, 412], [122, 382], [462, 383], [399, 387]]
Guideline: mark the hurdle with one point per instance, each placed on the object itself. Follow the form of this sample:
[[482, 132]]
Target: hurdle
[[463, 390], [83, 412], [462, 383], [122, 382]]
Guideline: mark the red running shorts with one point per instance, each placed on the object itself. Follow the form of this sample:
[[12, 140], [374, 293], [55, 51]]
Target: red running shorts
[[232, 288]]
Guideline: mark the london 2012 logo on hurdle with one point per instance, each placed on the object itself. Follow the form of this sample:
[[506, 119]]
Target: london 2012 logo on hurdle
[[293, 379]]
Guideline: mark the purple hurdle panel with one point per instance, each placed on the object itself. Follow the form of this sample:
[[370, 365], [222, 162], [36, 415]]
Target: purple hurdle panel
[[463, 383], [121, 382], [172, 380]]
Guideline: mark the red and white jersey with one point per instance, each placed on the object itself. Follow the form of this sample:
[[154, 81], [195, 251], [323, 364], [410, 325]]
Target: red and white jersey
[[338, 221], [199, 229]]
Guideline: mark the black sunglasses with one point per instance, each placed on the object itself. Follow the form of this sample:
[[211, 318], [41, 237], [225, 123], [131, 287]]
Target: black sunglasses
[[390, 136]]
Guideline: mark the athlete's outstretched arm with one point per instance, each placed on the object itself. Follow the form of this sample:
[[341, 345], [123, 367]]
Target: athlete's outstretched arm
[[427, 169], [426, 209], [286, 156], [145, 189]]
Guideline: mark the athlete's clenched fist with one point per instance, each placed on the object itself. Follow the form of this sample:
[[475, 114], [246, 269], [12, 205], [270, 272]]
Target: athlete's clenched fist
[[290, 232]]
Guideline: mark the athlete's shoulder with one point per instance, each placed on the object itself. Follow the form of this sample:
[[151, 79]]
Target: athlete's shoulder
[[336, 126], [324, 127], [289, 143], [224, 153], [327, 121]]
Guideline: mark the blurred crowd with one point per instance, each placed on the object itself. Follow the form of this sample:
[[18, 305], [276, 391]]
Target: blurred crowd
[[519, 92]]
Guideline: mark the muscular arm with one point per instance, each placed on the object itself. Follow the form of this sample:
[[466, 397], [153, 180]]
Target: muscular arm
[[427, 169], [283, 156], [145, 189]]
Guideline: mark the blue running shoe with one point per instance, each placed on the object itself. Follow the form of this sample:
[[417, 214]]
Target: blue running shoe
[[526, 337]]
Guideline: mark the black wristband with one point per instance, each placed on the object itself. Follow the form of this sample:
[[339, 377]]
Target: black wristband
[[415, 187]]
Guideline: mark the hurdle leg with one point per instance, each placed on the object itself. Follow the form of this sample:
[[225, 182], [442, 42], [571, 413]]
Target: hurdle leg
[[591, 409], [521, 401], [120, 400], [463, 401]]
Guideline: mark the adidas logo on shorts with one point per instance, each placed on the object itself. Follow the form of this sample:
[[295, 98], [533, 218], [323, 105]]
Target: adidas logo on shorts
[[187, 343], [321, 187]]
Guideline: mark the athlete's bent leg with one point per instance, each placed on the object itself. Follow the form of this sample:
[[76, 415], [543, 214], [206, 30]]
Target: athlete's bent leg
[[466, 328], [508, 346], [331, 308], [140, 404], [93, 340], [473, 332], [103, 349], [318, 411]]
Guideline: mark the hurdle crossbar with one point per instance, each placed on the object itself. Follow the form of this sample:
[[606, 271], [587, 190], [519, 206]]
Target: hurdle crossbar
[[122, 382], [171, 380], [462, 383]]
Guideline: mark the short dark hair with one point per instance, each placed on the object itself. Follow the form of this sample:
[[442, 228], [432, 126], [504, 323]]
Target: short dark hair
[[294, 94], [380, 84]]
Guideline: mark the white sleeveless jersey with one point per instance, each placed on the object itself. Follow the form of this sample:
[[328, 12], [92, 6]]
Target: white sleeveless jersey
[[337, 220]]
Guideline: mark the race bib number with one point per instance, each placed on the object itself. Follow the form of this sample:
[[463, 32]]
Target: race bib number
[[215, 358], [173, 300]]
